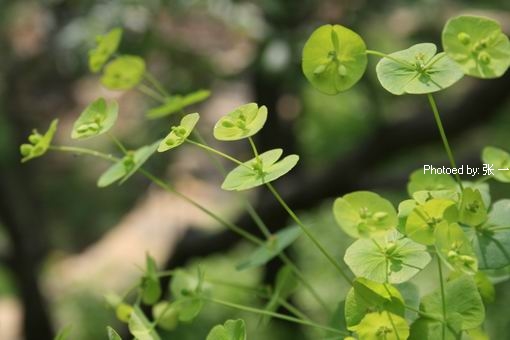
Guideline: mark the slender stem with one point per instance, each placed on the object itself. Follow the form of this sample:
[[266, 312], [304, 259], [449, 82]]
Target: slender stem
[[274, 315], [384, 55], [393, 325], [151, 93], [118, 143], [253, 147], [208, 148], [293, 310], [308, 233], [439, 124], [443, 295], [422, 313], [157, 85], [84, 151]]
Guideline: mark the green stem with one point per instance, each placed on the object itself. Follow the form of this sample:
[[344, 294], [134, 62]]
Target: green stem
[[208, 148], [384, 55], [118, 143], [274, 315], [254, 148], [84, 151], [151, 93], [422, 313], [157, 85], [308, 233], [443, 295], [439, 124], [294, 310]]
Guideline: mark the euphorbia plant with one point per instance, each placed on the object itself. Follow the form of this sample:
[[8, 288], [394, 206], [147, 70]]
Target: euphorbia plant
[[447, 220]]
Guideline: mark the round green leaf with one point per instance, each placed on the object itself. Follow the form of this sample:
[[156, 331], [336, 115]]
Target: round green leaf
[[462, 299], [151, 289], [382, 325], [39, 144], [364, 214], [178, 134], [127, 166], [183, 284], [367, 296], [454, 248], [243, 122], [423, 220], [498, 159], [106, 46], [177, 103], [393, 259], [259, 170], [271, 248], [425, 328], [491, 242], [231, 330], [420, 181], [472, 209], [334, 59], [477, 45], [96, 119], [417, 70], [123, 73], [189, 307], [166, 314]]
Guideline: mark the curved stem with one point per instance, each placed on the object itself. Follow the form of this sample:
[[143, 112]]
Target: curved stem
[[443, 295], [157, 85], [274, 315], [446, 145], [151, 93], [309, 234], [118, 143], [84, 151], [208, 148], [384, 55]]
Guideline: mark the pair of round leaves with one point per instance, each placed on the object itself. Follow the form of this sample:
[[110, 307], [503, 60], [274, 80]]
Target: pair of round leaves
[[243, 122], [454, 248], [123, 73], [106, 46], [497, 159], [39, 144], [259, 170], [417, 70], [334, 59], [364, 214], [178, 134], [477, 45], [231, 330], [393, 259], [97, 118], [177, 103]]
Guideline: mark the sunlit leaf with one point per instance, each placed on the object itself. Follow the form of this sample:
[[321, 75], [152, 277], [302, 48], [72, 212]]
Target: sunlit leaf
[[367, 296], [123, 73], [334, 59], [417, 70], [477, 45], [166, 314], [420, 181], [472, 208], [259, 170], [423, 220], [112, 334], [177, 103], [151, 289], [96, 119], [106, 46], [391, 259], [39, 144], [491, 242], [178, 134], [243, 122], [364, 214], [498, 159], [126, 167], [461, 299], [454, 248], [231, 330], [140, 327], [123, 312], [382, 325], [271, 248]]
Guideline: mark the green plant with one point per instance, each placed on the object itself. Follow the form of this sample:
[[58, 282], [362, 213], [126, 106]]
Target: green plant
[[445, 218]]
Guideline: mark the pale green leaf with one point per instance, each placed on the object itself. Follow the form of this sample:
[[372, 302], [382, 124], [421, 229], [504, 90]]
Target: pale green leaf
[[177, 103], [123, 73], [454, 248], [382, 325], [334, 59], [417, 70], [364, 214], [39, 144], [477, 45], [231, 330], [188, 307], [140, 327], [166, 314], [178, 134], [259, 170], [420, 181], [472, 209], [498, 159], [151, 289], [243, 122], [271, 248], [112, 334], [391, 259], [96, 119], [106, 46]]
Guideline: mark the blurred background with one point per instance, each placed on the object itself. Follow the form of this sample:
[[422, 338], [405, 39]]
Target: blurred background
[[64, 243]]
